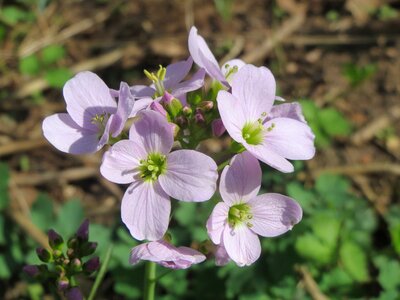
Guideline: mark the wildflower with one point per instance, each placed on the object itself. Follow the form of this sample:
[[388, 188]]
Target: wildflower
[[155, 175], [245, 114], [236, 222], [204, 58], [166, 255], [93, 115]]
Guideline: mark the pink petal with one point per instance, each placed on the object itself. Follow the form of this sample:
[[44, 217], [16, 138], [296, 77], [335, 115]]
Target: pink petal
[[142, 91], [176, 72], [153, 131], [120, 163], [255, 88], [190, 176], [217, 221], [287, 110], [192, 84], [87, 95], [145, 210], [242, 245], [221, 256], [124, 109], [290, 138], [274, 214], [141, 104], [266, 155], [241, 179], [64, 134], [232, 114]]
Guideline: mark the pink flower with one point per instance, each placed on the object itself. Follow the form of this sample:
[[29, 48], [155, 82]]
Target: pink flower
[[236, 222], [271, 134], [166, 255], [155, 175], [93, 115]]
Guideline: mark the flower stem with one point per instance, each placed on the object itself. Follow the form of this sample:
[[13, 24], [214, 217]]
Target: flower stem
[[149, 281], [101, 273], [223, 165]]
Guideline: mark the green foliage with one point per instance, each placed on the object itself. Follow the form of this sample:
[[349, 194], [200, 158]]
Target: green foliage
[[29, 65], [58, 77], [53, 54], [4, 178], [356, 74], [326, 123], [224, 8], [354, 261], [12, 15], [386, 13]]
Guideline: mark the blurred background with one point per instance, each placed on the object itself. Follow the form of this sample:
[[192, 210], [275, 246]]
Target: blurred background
[[340, 59]]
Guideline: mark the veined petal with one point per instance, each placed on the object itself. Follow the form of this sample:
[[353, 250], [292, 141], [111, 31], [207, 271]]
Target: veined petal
[[217, 221], [120, 163], [145, 210], [255, 88], [191, 176], [266, 155], [221, 256], [124, 109], [274, 214], [290, 138], [142, 91], [232, 115], [192, 84], [286, 110], [64, 134], [176, 72], [86, 96], [140, 104], [153, 131], [242, 245], [241, 179]]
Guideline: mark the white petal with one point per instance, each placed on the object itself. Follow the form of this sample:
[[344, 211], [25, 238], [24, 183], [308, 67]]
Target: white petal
[[217, 221]]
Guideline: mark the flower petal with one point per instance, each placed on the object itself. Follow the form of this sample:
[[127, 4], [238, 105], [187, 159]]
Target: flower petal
[[242, 245], [241, 179], [274, 214], [232, 115], [232, 63], [192, 84], [190, 176], [142, 91], [64, 134], [153, 131], [266, 155], [141, 104], [86, 96], [120, 163], [217, 221], [290, 138], [287, 110], [255, 88], [176, 72], [221, 256], [124, 109], [145, 210]]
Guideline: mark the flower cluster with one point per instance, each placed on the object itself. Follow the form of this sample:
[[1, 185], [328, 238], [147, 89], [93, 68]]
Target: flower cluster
[[156, 154]]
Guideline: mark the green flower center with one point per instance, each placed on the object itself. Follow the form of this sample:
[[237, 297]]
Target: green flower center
[[158, 80], [238, 214], [252, 133], [153, 166]]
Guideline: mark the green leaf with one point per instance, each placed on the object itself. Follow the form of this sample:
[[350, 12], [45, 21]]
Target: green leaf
[[395, 237], [2, 231], [29, 65], [12, 15], [5, 271], [333, 188], [354, 261], [102, 235], [334, 123], [70, 218], [185, 213], [306, 198], [336, 278], [52, 54], [326, 227], [121, 253], [58, 77], [126, 289], [389, 272], [35, 291], [310, 247], [42, 212], [4, 178]]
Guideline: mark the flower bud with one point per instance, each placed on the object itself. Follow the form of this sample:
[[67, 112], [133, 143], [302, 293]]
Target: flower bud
[[171, 104], [199, 117], [73, 242], [181, 121], [88, 248], [91, 265], [217, 127], [187, 111], [31, 270], [206, 105], [83, 231], [74, 294], [43, 254], [76, 265], [62, 284], [55, 240], [70, 253], [158, 108]]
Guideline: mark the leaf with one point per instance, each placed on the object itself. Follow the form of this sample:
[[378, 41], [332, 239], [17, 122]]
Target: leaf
[[354, 261], [5, 271], [58, 77], [395, 237], [12, 15], [42, 212], [333, 122], [4, 178], [121, 253], [306, 198], [336, 278], [52, 54], [29, 65], [310, 247], [185, 213], [2, 231], [326, 227], [332, 188], [70, 218], [389, 272], [102, 235]]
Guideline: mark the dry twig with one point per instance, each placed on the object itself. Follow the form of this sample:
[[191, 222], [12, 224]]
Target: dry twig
[[310, 284], [379, 167], [21, 146]]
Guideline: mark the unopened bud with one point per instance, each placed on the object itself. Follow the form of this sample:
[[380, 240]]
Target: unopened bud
[[72, 243], [88, 248], [70, 253], [55, 240], [199, 117], [171, 104], [76, 264], [43, 254], [217, 127], [91, 265], [74, 294], [206, 105], [181, 121], [63, 284], [187, 111], [83, 231], [31, 270], [158, 108]]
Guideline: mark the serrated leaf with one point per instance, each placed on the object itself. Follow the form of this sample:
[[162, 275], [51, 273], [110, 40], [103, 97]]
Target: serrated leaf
[[333, 122], [354, 261]]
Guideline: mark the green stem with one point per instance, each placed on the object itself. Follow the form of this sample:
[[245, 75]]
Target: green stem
[[223, 165], [101, 273], [149, 281]]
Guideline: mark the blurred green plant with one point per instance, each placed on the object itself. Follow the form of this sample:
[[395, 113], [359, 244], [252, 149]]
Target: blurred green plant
[[224, 8], [326, 123], [356, 74]]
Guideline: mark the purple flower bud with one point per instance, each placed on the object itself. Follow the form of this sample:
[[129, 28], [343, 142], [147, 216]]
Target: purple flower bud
[[31, 270], [73, 243], [199, 117], [62, 284], [166, 98], [217, 127], [55, 240], [91, 265], [74, 294], [76, 264], [43, 254], [88, 248], [158, 108], [181, 121], [83, 231], [172, 105]]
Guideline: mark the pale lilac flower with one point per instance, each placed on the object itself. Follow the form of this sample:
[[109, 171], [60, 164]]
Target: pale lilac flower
[[166, 255], [155, 175], [204, 58], [246, 111], [236, 222], [217, 127], [221, 256], [93, 115]]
